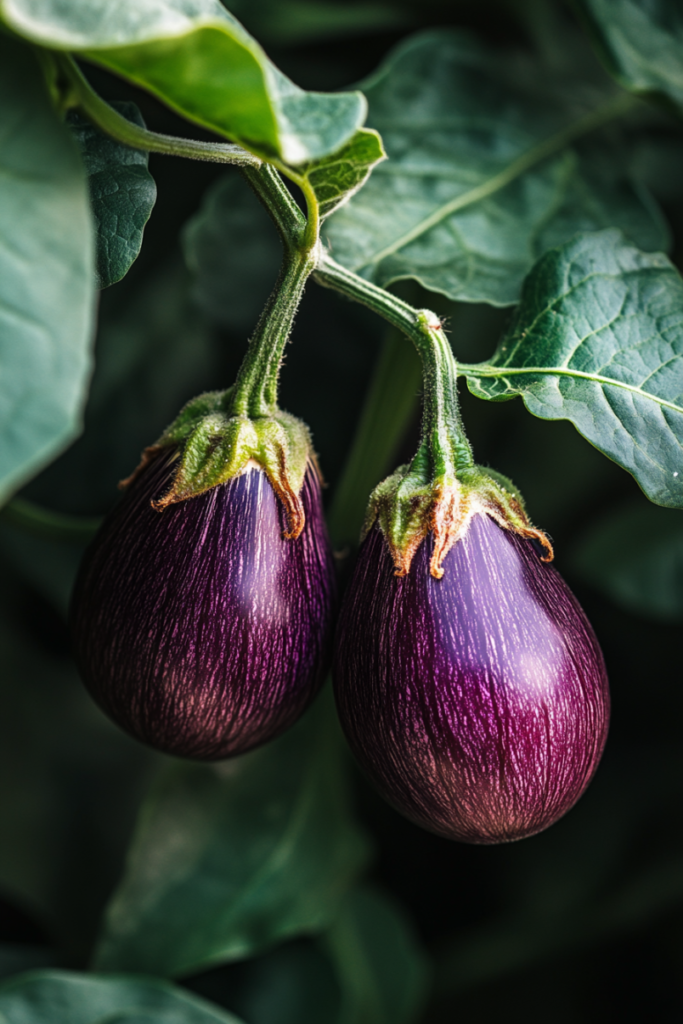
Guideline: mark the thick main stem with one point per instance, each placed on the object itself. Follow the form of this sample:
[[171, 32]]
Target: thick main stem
[[255, 390]]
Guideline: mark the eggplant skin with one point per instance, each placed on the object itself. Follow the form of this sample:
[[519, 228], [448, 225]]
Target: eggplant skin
[[478, 704], [201, 630]]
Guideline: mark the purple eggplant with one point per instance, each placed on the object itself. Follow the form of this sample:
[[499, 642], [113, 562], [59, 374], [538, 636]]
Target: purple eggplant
[[200, 629], [477, 703]]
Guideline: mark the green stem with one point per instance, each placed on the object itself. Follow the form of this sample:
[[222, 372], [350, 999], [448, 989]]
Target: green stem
[[443, 435], [255, 390], [124, 131], [42, 522], [272, 192]]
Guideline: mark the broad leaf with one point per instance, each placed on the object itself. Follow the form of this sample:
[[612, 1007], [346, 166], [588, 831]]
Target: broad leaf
[[634, 556], [642, 41], [598, 340], [200, 61], [46, 274], [122, 193], [481, 177], [381, 968], [64, 997], [230, 859], [336, 178], [234, 253]]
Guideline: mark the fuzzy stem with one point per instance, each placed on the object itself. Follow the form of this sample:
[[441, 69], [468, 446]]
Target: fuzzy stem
[[255, 390], [443, 438], [124, 131]]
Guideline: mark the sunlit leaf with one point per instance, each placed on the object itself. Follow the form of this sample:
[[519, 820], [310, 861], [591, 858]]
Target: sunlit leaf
[[122, 193], [46, 274], [229, 859], [482, 176], [598, 340], [336, 178], [199, 60]]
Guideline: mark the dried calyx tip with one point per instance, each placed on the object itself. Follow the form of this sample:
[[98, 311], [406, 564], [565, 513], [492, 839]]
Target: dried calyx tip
[[407, 510], [213, 446]]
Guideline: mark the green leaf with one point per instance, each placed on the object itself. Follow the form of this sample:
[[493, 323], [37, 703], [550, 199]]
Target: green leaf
[[482, 176], [234, 253], [598, 340], [336, 178], [641, 41], [381, 968], [230, 859], [46, 274], [634, 556], [122, 193], [199, 60], [64, 997]]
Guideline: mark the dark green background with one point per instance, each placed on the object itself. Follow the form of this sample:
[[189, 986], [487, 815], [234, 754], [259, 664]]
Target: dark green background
[[580, 924]]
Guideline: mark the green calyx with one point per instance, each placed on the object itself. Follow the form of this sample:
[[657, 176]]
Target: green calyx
[[408, 507], [442, 489], [215, 444], [221, 433]]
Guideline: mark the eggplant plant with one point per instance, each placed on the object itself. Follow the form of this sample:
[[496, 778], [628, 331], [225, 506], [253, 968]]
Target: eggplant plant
[[489, 214]]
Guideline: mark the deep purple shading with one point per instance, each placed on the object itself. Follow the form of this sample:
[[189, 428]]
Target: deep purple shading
[[199, 629], [478, 703]]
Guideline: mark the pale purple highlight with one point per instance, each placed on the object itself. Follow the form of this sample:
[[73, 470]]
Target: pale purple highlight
[[200, 629], [479, 703]]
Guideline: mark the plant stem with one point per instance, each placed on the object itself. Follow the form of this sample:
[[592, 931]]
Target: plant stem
[[42, 522], [124, 131], [272, 192], [255, 390]]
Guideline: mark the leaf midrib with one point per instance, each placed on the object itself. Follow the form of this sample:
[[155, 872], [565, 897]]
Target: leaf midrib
[[474, 370], [615, 107]]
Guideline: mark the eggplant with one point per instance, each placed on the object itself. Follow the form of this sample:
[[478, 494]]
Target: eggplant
[[200, 629], [478, 702]]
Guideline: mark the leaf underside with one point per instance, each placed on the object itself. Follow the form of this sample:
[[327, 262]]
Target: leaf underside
[[201, 62], [455, 116], [46, 274], [598, 339]]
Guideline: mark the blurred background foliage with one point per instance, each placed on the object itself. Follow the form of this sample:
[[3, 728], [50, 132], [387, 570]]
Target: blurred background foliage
[[582, 923]]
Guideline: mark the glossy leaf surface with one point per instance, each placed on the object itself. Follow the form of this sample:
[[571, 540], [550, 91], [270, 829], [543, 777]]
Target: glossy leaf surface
[[64, 997], [598, 340], [46, 273], [200, 61], [634, 556], [230, 859], [122, 193], [481, 177], [382, 971], [642, 42]]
